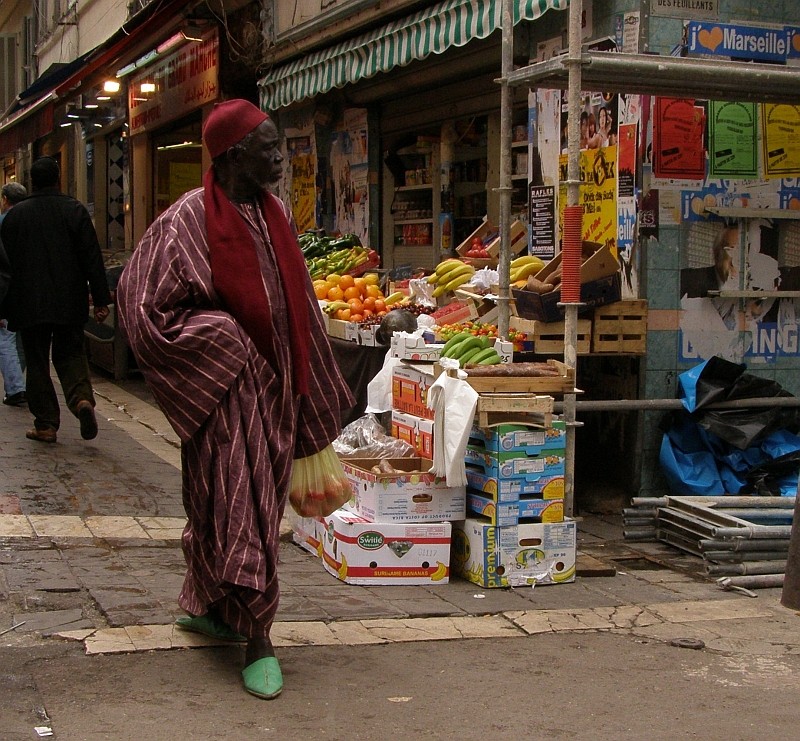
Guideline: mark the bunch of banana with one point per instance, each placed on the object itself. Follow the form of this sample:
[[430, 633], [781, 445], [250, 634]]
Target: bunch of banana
[[467, 348], [449, 275], [522, 267], [333, 306]]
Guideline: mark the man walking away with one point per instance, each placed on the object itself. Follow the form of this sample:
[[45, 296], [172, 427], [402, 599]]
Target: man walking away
[[10, 364], [53, 252]]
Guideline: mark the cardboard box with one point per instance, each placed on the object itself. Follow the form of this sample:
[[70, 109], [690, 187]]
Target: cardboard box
[[509, 489], [404, 427], [305, 531], [514, 513], [600, 285], [521, 555], [425, 437], [361, 552], [414, 348], [403, 497], [507, 465], [410, 384], [519, 241], [524, 439]]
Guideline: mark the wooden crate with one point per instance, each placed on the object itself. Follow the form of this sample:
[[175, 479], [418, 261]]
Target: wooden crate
[[514, 408], [563, 383], [620, 328], [548, 337]]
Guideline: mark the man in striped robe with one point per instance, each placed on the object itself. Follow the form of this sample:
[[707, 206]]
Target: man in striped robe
[[218, 308]]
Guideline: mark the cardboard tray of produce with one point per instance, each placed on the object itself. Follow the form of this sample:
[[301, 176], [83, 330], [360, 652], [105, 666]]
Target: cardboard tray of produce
[[517, 377]]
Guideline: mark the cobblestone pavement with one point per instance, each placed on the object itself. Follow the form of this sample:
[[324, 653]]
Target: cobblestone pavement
[[90, 551]]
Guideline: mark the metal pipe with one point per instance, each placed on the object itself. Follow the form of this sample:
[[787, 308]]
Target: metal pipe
[[740, 556], [747, 569], [504, 258], [639, 521], [632, 405], [761, 513], [742, 544], [639, 512], [763, 581], [630, 533], [649, 501], [752, 531]]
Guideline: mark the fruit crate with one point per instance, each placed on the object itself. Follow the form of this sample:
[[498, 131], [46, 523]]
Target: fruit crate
[[620, 328], [563, 383], [547, 338], [513, 408]]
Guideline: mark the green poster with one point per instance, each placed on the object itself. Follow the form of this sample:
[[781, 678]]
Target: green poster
[[733, 141]]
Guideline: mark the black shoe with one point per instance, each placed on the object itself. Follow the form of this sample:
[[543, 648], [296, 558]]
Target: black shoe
[[87, 419], [16, 400]]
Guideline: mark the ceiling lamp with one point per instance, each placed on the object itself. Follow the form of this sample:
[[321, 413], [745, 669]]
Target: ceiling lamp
[[111, 86], [148, 87]]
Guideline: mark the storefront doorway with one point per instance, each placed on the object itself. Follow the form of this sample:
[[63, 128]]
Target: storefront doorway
[[177, 162]]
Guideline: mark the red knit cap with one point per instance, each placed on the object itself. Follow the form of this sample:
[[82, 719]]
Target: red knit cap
[[229, 123]]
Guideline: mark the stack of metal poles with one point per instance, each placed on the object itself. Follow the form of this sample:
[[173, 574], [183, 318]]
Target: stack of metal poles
[[744, 541]]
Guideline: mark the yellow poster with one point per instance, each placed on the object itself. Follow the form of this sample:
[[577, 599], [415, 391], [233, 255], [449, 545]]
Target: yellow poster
[[781, 124], [598, 195], [304, 191], [183, 177]]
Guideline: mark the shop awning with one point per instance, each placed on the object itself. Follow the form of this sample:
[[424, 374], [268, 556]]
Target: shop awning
[[431, 31]]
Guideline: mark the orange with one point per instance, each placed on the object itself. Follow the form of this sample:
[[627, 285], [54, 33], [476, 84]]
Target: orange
[[367, 313], [343, 314], [321, 290], [379, 306], [346, 281], [335, 293], [373, 291], [350, 292], [355, 305], [369, 303], [356, 317], [361, 283]]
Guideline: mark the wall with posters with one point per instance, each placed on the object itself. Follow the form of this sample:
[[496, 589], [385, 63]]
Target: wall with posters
[[667, 182]]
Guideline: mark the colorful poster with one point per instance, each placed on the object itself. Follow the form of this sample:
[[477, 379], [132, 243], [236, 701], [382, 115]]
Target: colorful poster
[[598, 195], [781, 136], [678, 128], [626, 247], [626, 160], [303, 182], [349, 169], [732, 140]]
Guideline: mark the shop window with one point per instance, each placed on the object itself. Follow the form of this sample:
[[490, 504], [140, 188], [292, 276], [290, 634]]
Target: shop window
[[177, 166]]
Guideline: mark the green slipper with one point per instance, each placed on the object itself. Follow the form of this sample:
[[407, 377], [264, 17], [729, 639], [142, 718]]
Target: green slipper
[[209, 626], [263, 678]]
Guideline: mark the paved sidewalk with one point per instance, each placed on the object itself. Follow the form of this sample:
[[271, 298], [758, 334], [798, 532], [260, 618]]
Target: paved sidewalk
[[89, 551]]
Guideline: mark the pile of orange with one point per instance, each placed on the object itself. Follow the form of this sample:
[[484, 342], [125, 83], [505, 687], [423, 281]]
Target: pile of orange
[[363, 295]]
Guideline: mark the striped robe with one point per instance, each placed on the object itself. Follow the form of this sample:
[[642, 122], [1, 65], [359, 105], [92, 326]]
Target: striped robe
[[239, 422]]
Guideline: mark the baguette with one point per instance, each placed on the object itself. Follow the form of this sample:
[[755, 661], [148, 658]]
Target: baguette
[[535, 370]]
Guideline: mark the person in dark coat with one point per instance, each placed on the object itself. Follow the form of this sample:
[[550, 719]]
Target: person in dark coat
[[53, 253]]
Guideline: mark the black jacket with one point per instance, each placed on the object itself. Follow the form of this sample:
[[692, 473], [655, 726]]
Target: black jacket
[[53, 252]]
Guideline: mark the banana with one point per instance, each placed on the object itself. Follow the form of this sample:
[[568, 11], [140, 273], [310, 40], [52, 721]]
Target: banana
[[454, 348], [562, 576], [469, 354], [458, 281], [454, 340], [446, 265], [455, 272], [342, 572], [333, 306], [524, 271], [487, 354], [518, 262], [440, 573], [393, 298], [462, 347]]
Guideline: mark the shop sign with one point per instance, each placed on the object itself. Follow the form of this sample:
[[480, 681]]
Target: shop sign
[[739, 42], [176, 84], [707, 9]]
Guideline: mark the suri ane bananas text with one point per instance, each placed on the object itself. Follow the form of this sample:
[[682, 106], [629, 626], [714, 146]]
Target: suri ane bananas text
[[449, 275]]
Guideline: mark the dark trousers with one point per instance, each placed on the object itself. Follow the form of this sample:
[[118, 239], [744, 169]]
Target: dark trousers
[[72, 368]]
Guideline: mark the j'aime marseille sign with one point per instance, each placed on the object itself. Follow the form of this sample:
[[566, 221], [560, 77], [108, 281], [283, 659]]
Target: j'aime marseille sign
[[760, 43]]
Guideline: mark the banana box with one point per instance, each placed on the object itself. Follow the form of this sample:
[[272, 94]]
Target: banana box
[[520, 555], [407, 347], [410, 495], [410, 384], [525, 439], [417, 431], [514, 513], [509, 489], [503, 465], [361, 552], [305, 531]]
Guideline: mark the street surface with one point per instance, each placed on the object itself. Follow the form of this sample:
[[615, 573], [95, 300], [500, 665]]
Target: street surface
[[90, 567]]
